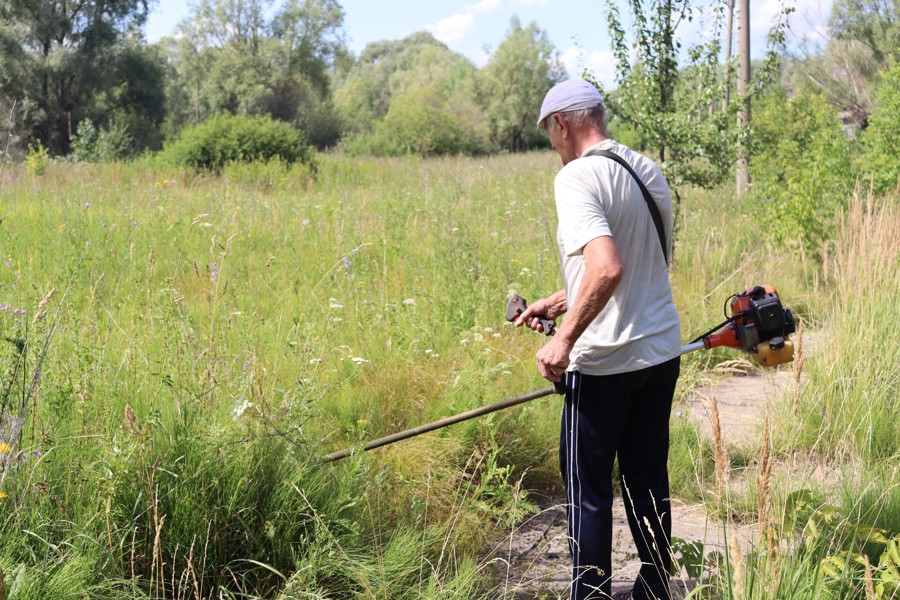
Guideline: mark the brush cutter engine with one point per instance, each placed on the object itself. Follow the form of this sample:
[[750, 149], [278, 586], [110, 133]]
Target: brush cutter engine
[[758, 325]]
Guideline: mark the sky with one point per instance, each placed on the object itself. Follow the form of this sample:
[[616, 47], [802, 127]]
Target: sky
[[474, 28]]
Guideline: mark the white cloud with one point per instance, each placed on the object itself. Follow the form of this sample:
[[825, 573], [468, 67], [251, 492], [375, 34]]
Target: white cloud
[[454, 28], [601, 64], [529, 2], [484, 6]]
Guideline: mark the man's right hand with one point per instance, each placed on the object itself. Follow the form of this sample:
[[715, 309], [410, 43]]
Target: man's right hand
[[551, 307]]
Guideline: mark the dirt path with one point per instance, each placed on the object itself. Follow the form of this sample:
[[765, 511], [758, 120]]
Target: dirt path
[[536, 557]]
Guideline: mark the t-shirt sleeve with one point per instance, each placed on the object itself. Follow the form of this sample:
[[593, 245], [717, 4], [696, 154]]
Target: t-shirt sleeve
[[582, 216]]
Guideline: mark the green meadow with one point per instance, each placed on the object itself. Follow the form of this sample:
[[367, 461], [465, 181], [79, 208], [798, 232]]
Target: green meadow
[[178, 351]]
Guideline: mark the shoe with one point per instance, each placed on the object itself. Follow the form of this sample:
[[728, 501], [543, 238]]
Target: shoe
[[623, 595]]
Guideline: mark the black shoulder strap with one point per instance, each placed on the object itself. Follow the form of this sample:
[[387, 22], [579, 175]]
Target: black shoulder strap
[[654, 211]]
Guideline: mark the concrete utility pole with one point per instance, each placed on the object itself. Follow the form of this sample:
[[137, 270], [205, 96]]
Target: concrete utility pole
[[729, 31], [743, 83]]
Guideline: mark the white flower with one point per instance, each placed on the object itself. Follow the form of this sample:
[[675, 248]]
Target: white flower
[[333, 304], [315, 361], [358, 360], [410, 302], [240, 407]]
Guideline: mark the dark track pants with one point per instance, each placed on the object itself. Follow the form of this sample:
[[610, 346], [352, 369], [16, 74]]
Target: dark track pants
[[626, 414]]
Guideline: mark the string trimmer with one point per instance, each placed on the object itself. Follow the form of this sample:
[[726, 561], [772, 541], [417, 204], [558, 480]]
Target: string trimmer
[[758, 325]]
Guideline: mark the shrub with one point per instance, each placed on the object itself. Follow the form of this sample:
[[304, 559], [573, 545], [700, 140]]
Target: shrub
[[102, 145], [801, 167], [37, 159], [224, 139]]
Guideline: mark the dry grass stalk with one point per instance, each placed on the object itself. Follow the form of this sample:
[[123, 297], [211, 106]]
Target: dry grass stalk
[[738, 575], [798, 365], [42, 307], [152, 262], [764, 481], [870, 586], [132, 421], [772, 555], [721, 455]]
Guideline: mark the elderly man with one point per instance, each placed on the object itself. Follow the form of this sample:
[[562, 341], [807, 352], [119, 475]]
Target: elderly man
[[619, 346]]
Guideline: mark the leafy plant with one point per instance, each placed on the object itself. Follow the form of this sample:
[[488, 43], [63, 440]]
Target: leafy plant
[[801, 167], [92, 144], [882, 137], [37, 159]]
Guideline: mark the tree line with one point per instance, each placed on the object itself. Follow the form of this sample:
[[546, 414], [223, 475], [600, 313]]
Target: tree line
[[78, 78], [72, 69]]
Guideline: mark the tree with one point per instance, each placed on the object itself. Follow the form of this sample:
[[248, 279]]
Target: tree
[[363, 96], [882, 137], [228, 57], [50, 54], [514, 82], [677, 110], [647, 100], [381, 89], [875, 23]]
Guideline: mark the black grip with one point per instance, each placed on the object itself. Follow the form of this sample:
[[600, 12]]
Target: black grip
[[517, 305]]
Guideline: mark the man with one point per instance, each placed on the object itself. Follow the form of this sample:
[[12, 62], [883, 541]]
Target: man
[[618, 348]]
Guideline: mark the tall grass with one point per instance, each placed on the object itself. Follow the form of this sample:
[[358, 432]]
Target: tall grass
[[853, 406], [222, 333]]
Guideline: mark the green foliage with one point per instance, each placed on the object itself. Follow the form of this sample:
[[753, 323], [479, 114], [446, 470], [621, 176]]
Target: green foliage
[[684, 114], [882, 138], [513, 83], [221, 140], [801, 168], [872, 22], [103, 145], [416, 123], [232, 57], [411, 96], [37, 159], [57, 58]]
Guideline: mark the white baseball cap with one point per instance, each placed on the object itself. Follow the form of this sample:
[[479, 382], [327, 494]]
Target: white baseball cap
[[572, 94]]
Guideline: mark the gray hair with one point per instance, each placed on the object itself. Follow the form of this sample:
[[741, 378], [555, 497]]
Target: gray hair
[[595, 115]]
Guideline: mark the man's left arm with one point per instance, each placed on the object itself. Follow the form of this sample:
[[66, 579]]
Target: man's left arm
[[603, 270]]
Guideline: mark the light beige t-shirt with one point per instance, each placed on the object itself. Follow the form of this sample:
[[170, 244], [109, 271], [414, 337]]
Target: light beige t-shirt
[[595, 197]]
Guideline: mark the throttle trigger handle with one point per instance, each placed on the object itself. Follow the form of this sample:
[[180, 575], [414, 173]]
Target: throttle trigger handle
[[517, 305]]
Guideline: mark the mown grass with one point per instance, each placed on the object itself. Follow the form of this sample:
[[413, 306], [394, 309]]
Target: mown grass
[[213, 336]]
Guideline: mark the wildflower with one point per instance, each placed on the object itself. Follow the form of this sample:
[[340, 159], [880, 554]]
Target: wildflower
[[4, 448], [3, 495], [87, 244], [410, 302], [213, 272], [334, 304], [87, 204], [240, 407], [358, 360]]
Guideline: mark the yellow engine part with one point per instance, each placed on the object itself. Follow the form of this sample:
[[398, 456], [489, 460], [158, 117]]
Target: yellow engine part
[[767, 357]]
